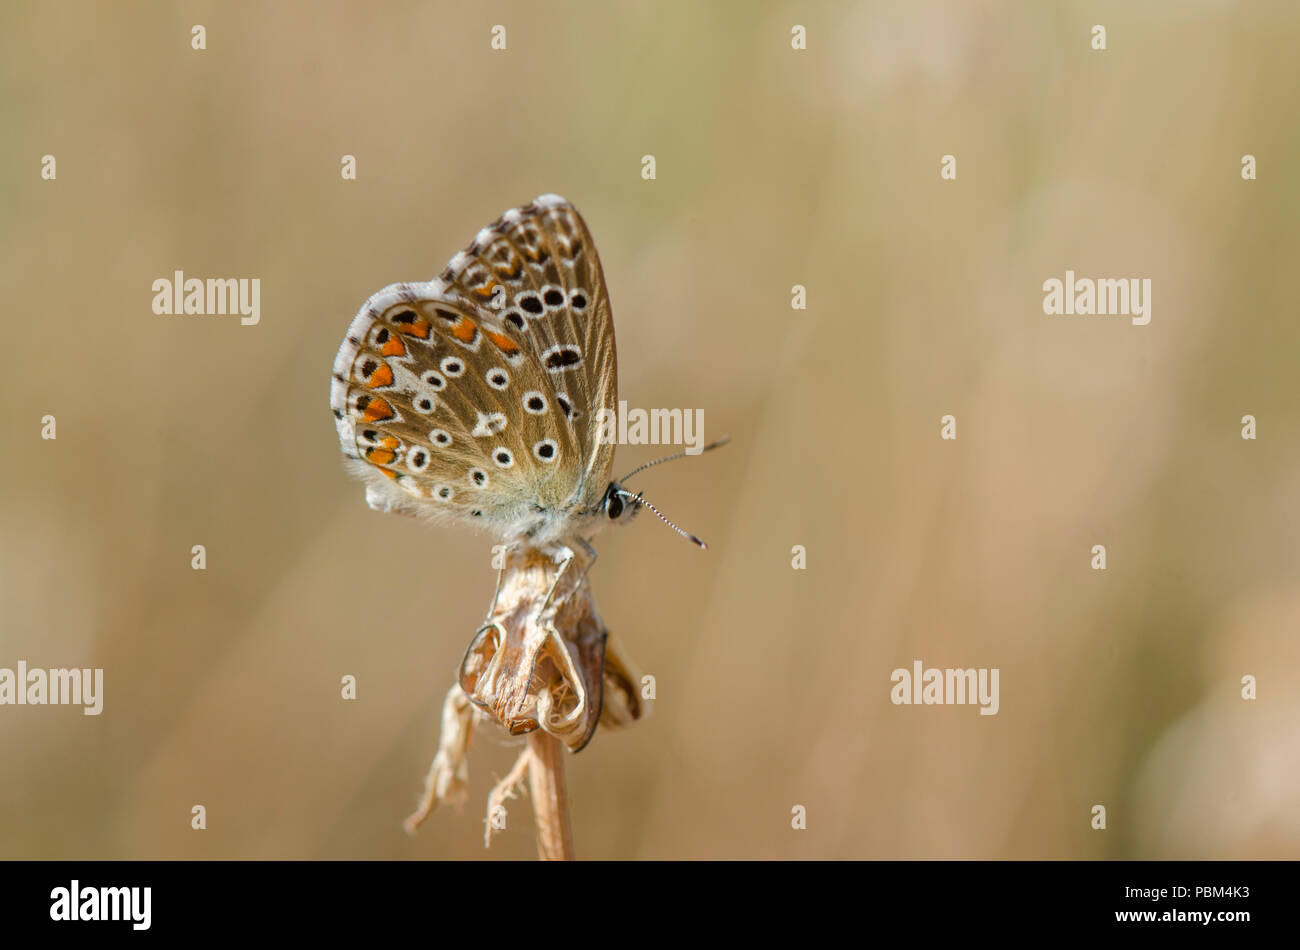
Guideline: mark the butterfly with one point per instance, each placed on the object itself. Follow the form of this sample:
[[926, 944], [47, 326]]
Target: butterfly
[[474, 398]]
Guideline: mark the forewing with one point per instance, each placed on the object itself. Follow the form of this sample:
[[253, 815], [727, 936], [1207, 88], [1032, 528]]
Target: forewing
[[537, 267]]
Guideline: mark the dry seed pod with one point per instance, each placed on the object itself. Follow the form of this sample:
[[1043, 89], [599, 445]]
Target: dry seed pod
[[531, 667]]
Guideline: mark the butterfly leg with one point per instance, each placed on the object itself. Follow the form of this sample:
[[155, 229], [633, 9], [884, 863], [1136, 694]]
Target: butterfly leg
[[568, 555], [591, 553]]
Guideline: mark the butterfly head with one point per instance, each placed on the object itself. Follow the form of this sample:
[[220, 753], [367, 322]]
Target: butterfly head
[[619, 505]]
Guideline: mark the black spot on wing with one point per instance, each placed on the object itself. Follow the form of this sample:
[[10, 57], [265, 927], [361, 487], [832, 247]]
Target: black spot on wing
[[563, 358]]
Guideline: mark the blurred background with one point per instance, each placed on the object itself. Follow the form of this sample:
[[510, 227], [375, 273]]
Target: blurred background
[[775, 167]]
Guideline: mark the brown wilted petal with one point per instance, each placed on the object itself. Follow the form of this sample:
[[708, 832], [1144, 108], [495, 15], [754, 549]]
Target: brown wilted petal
[[622, 705], [529, 668], [448, 778]]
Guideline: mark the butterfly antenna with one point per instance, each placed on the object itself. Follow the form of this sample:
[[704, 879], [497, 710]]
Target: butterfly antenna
[[636, 499], [668, 458]]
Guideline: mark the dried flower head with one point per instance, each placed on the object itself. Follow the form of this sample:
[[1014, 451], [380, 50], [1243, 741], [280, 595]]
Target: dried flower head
[[540, 664]]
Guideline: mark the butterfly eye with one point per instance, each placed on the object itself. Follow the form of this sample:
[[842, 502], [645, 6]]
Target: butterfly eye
[[614, 508]]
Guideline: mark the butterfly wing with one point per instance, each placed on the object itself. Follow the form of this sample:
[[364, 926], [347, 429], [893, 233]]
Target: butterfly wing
[[537, 266], [476, 396], [443, 412]]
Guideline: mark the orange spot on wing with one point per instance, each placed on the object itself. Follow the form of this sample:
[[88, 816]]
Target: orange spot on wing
[[419, 328], [394, 347], [376, 410], [381, 456], [502, 342], [464, 330], [383, 376], [487, 290]]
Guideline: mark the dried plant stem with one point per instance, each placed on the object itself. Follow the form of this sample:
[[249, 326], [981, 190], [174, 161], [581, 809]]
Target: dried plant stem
[[550, 797]]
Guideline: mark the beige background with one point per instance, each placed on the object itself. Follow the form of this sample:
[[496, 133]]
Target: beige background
[[775, 167]]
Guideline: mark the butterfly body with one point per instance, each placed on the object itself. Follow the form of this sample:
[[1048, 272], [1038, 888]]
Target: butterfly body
[[474, 398]]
